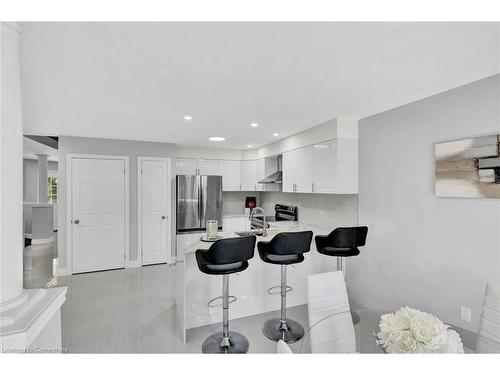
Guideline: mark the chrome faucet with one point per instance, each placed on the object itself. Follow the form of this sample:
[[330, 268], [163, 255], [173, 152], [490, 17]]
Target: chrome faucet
[[264, 224]]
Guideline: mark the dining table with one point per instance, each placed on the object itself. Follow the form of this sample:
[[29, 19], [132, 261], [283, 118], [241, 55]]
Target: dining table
[[320, 337]]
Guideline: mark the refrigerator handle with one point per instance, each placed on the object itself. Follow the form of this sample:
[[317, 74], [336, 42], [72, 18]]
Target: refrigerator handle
[[202, 199]]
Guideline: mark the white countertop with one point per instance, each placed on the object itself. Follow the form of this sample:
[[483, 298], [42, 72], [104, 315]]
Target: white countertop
[[192, 241]]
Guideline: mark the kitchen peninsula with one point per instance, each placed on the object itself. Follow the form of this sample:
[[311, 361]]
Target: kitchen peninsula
[[195, 289]]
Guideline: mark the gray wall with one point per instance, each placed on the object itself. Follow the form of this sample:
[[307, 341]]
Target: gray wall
[[30, 178], [132, 149], [431, 253]]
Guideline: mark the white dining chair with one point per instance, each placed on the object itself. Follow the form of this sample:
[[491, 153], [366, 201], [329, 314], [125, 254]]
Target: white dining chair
[[328, 304], [283, 348], [488, 340]]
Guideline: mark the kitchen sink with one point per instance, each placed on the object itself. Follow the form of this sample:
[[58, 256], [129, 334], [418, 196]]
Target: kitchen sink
[[249, 232]]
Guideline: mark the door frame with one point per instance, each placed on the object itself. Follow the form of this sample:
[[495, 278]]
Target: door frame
[[69, 205], [140, 159]]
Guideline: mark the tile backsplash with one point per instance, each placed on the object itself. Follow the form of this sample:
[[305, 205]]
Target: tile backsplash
[[324, 210], [233, 202]]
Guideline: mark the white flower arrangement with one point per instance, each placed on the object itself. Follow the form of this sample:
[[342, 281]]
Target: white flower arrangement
[[412, 331]]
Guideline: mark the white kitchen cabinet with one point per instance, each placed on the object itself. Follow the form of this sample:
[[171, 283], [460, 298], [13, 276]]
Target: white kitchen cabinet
[[297, 170], [197, 166], [261, 174], [208, 167], [335, 168], [249, 175], [231, 174], [325, 167], [186, 166]]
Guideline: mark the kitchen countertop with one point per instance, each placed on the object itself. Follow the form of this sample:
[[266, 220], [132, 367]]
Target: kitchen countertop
[[192, 241]]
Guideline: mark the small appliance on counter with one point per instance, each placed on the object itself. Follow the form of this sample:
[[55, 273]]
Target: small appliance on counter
[[211, 233], [281, 213], [250, 204]]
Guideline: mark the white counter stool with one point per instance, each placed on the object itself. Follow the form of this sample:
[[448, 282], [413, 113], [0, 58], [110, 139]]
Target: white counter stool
[[224, 257], [284, 249]]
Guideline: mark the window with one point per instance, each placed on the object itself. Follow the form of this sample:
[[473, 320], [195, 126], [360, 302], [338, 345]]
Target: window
[[52, 187]]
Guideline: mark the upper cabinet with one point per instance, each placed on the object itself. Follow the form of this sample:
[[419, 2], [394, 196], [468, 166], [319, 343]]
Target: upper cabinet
[[326, 167], [209, 167], [186, 166], [297, 170], [260, 174], [249, 175], [329, 167], [231, 174], [197, 166]]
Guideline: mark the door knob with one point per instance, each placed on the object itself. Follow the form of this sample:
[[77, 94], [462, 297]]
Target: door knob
[[76, 221], [163, 217]]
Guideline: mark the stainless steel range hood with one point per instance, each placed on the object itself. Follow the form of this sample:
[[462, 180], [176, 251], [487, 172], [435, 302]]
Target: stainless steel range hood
[[276, 177]]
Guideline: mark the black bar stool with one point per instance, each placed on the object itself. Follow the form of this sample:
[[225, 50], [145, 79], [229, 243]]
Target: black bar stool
[[342, 242], [224, 257], [284, 249]]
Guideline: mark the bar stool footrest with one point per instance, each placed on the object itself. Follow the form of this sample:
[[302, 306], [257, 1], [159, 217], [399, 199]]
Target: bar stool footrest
[[213, 303], [277, 289]]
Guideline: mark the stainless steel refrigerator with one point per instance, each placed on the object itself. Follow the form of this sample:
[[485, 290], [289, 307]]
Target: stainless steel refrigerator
[[199, 198]]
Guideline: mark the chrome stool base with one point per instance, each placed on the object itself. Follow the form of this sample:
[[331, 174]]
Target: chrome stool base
[[214, 344], [273, 330]]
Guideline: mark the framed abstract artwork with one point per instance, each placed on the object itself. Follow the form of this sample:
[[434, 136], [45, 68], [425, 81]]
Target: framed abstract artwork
[[468, 168]]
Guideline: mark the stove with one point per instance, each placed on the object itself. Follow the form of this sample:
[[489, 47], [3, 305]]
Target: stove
[[281, 213]]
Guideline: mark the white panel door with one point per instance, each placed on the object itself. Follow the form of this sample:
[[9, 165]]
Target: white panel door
[[98, 214], [208, 167], [325, 167], [231, 174], [249, 175], [155, 206]]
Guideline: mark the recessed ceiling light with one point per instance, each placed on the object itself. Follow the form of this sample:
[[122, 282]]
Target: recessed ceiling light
[[216, 139], [188, 118], [249, 146], [254, 124], [276, 135]]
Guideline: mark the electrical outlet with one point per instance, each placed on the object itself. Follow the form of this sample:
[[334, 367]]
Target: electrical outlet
[[466, 314]]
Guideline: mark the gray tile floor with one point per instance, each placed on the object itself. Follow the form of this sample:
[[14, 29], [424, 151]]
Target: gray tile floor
[[133, 311], [39, 264]]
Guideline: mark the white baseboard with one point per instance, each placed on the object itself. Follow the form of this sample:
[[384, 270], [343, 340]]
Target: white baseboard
[[63, 272], [133, 264]]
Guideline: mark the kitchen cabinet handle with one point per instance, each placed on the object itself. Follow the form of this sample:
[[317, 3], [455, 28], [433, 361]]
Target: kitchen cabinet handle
[[76, 221], [312, 187], [163, 217]]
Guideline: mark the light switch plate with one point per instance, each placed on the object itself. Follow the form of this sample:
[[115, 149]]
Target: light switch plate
[[465, 314]]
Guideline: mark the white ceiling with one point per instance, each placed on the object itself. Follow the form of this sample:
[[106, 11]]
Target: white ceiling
[[138, 80], [32, 148]]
